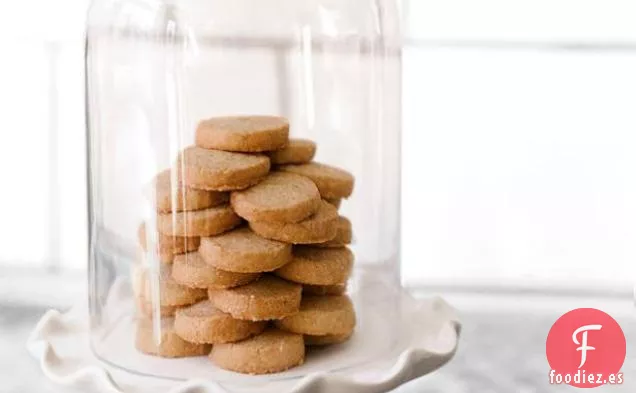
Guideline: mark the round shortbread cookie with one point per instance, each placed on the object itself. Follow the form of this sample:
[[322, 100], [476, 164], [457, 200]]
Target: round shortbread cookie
[[344, 233], [167, 245], [332, 182], [318, 266], [146, 309], [171, 293], [320, 315], [243, 251], [268, 298], [249, 134], [221, 170], [328, 339], [145, 257], [168, 195], [202, 323], [206, 222], [318, 228], [280, 197], [139, 281], [269, 352], [165, 257], [192, 271], [297, 151], [170, 346], [324, 290], [335, 202]]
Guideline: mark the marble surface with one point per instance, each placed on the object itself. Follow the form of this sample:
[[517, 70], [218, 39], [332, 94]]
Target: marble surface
[[505, 353], [502, 350]]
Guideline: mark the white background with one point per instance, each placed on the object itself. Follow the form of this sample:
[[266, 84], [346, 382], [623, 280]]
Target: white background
[[519, 141]]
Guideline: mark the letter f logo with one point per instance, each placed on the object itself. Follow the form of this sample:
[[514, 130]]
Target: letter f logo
[[583, 344]]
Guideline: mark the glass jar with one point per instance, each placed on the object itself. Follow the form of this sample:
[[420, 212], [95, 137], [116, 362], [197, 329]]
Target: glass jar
[[155, 70]]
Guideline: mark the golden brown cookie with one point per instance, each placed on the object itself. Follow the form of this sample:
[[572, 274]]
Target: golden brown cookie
[[168, 245], [192, 271], [343, 237], [139, 284], [170, 345], [318, 266], [202, 323], [269, 352], [243, 251], [324, 290], [320, 315], [268, 298], [221, 170], [335, 202], [297, 151], [169, 194], [206, 222], [333, 183], [145, 308], [162, 257], [318, 228], [146, 257], [171, 293], [137, 279], [165, 258], [280, 197], [243, 133], [328, 339]]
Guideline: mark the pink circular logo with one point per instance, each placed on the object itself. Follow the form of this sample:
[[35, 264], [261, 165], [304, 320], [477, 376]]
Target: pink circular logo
[[586, 348]]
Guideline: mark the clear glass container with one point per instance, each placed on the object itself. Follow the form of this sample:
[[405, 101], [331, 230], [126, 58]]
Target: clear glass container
[[155, 69]]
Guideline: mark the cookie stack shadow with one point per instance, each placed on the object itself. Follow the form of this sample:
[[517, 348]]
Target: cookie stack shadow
[[252, 254]]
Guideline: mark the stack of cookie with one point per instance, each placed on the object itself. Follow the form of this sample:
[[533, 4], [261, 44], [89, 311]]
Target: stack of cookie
[[253, 257]]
